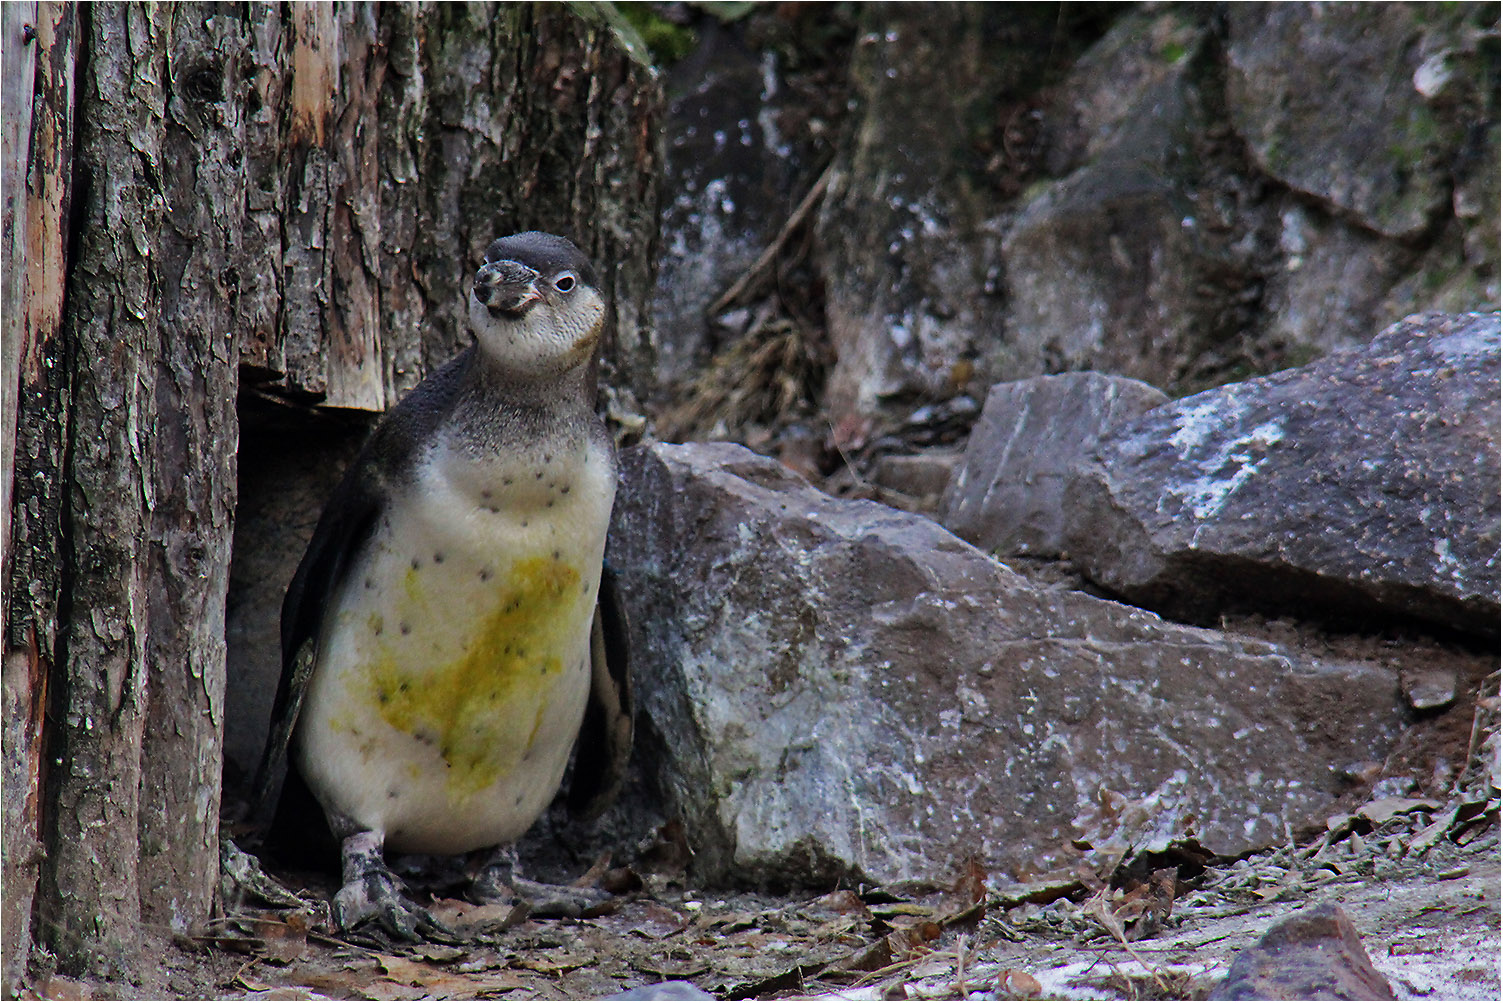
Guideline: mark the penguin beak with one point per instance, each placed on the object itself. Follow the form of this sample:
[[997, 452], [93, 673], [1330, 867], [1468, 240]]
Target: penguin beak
[[506, 288]]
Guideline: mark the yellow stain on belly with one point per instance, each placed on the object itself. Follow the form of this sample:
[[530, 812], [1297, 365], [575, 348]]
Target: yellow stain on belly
[[482, 710]]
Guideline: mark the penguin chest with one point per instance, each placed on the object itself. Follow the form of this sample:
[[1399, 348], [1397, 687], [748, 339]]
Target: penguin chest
[[452, 676]]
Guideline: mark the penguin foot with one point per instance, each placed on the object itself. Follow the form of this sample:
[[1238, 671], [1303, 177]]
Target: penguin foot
[[372, 893], [377, 897], [499, 882]]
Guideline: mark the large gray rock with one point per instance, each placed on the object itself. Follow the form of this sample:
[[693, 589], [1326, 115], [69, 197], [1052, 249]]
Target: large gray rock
[[1011, 493], [1125, 266], [835, 689], [908, 232], [1324, 95], [1336, 282], [731, 176], [1364, 483]]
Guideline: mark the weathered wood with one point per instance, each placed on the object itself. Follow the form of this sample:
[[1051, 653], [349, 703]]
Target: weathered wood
[[391, 143], [192, 468], [39, 80], [89, 909]]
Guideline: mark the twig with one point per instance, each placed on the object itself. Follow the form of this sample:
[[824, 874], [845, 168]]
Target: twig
[[770, 254], [1101, 911], [960, 951]]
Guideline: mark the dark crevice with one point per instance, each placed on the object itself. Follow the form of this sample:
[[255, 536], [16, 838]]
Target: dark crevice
[[50, 742], [1195, 592]]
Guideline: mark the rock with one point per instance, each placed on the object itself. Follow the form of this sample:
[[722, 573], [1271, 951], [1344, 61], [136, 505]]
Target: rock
[[1336, 282], [1098, 106], [1430, 689], [1363, 484], [1136, 262], [1303, 89], [909, 230], [731, 177], [1011, 493], [1316, 954], [832, 689], [923, 477]]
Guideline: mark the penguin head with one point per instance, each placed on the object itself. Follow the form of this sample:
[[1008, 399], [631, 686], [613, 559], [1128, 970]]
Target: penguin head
[[534, 305]]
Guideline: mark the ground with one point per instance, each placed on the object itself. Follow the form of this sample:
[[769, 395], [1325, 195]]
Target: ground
[[1419, 879]]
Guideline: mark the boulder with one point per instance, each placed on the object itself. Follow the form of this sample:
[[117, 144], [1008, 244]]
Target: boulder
[[1303, 89], [1315, 954], [731, 176], [1363, 484], [835, 690], [1143, 260], [1337, 282], [908, 231], [1011, 492]]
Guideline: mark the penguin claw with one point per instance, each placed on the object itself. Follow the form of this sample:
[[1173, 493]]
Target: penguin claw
[[377, 897]]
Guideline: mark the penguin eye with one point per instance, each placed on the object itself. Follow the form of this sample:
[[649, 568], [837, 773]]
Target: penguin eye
[[565, 282]]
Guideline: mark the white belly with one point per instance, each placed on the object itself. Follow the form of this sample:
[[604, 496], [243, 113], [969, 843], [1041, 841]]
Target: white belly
[[454, 671]]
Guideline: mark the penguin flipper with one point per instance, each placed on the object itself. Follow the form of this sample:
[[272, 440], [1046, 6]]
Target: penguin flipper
[[349, 519], [347, 524], [605, 737]]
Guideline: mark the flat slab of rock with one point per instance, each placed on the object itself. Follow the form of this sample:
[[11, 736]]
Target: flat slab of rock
[[1365, 483], [1316, 954], [836, 689], [1011, 493]]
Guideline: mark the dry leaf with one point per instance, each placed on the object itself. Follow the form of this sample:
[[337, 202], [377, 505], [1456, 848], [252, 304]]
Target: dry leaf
[[655, 922], [668, 852], [468, 920], [408, 973], [549, 964], [970, 887], [1019, 985], [838, 903]]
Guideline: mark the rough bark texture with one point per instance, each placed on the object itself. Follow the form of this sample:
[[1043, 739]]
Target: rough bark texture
[[205, 196], [386, 146], [38, 148]]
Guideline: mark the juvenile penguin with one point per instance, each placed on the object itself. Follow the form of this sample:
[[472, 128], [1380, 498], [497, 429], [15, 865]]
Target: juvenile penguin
[[451, 629]]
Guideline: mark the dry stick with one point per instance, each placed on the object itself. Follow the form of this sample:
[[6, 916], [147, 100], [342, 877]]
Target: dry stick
[[1471, 744], [768, 256], [1115, 928], [960, 947]]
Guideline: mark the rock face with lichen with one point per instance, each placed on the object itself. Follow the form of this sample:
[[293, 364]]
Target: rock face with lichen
[[1013, 492], [1362, 484], [838, 690], [1179, 194]]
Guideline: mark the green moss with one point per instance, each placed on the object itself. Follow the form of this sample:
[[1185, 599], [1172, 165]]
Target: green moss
[[667, 41]]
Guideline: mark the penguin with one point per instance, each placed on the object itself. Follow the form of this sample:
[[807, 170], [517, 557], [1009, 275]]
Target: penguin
[[452, 633]]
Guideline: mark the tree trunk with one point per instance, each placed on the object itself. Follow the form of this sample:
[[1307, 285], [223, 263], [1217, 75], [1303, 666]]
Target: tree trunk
[[38, 148], [284, 201]]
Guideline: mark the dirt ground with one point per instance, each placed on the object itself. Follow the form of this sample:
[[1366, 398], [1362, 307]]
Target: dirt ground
[[1420, 880]]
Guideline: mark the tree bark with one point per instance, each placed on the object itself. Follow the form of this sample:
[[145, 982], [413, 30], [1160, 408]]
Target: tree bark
[[215, 200], [39, 77]]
